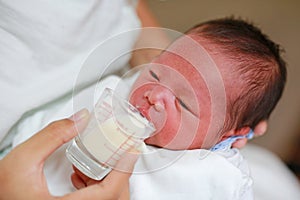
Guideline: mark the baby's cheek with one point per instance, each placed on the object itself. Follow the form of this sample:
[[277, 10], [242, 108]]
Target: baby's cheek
[[166, 130], [159, 119], [162, 138], [135, 96]]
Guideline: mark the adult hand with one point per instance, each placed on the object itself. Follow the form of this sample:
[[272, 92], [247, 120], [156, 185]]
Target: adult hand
[[116, 183], [21, 171]]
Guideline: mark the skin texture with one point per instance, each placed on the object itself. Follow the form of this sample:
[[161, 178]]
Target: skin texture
[[172, 93], [16, 168], [159, 93]]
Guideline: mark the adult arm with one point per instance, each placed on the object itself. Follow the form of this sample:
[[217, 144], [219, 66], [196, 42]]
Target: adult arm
[[149, 37]]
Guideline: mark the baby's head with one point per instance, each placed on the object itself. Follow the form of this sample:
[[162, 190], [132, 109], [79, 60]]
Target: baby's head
[[175, 93]]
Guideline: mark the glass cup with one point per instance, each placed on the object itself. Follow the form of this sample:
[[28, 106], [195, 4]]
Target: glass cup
[[115, 127]]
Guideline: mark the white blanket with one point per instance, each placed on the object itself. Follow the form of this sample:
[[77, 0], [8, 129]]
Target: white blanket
[[193, 174], [46, 44]]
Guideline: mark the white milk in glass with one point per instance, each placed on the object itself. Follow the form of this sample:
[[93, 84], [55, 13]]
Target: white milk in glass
[[114, 128], [112, 139]]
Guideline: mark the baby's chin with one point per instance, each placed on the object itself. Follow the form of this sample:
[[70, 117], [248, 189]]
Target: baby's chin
[[154, 142], [158, 142], [163, 143], [171, 145]]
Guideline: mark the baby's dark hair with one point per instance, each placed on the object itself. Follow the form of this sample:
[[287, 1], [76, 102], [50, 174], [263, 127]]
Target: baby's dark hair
[[259, 64]]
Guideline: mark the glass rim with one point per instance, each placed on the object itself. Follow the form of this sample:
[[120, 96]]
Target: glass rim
[[133, 110]]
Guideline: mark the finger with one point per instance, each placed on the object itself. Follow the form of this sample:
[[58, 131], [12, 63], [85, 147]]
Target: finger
[[77, 182], [240, 143], [45, 142], [261, 128], [92, 192], [100, 190], [120, 174], [122, 171], [86, 180], [107, 190], [112, 187]]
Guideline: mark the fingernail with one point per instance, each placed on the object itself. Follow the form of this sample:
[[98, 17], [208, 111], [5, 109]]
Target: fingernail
[[80, 115]]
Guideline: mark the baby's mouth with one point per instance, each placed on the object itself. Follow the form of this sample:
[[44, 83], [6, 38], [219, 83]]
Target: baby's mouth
[[143, 111]]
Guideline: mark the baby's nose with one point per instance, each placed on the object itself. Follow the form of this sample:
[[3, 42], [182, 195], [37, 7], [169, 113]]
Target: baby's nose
[[160, 97]]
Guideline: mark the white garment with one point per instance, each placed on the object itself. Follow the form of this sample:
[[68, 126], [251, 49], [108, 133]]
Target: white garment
[[43, 44], [272, 178], [196, 174], [159, 173]]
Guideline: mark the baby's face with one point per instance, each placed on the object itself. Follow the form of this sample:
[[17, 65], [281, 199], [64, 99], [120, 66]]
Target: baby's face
[[171, 93]]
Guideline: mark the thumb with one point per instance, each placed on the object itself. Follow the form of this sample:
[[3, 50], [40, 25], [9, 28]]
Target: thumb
[[45, 142]]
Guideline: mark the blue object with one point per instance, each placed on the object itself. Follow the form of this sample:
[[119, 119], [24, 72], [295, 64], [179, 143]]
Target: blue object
[[226, 144]]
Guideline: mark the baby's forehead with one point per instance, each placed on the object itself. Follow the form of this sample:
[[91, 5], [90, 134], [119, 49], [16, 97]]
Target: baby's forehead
[[189, 55]]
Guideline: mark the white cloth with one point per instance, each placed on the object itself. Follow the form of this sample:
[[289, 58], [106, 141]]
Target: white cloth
[[44, 43], [272, 179], [197, 174]]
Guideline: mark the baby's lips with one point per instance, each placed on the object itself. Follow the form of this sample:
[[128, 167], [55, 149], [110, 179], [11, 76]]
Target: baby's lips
[[144, 112]]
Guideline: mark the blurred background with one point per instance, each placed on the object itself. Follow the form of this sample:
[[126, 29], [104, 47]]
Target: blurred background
[[278, 19]]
